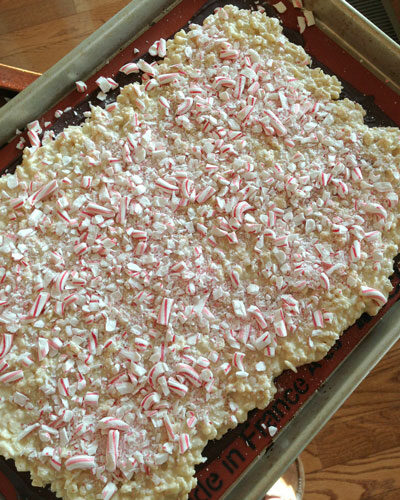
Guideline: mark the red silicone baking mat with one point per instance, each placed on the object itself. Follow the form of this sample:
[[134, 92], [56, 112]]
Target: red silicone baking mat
[[230, 456]]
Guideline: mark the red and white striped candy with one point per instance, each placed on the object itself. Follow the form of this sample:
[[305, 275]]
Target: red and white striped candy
[[280, 328], [150, 400], [43, 348], [178, 267], [169, 428], [377, 209], [155, 373], [357, 174], [238, 360], [106, 84], [229, 337], [185, 106], [26, 360], [86, 181], [244, 113], [223, 81], [129, 68], [167, 187], [39, 304], [64, 215], [165, 310], [189, 373], [95, 209], [187, 188], [108, 491], [80, 248], [150, 85], [11, 377], [191, 421], [269, 351], [201, 228], [126, 154], [262, 341], [61, 281], [16, 203], [239, 209], [176, 387], [230, 54], [55, 463], [63, 386], [374, 294], [28, 429], [239, 87], [318, 319], [55, 343], [162, 47], [235, 278], [137, 234], [112, 451], [81, 87], [113, 423], [325, 281], [91, 398], [146, 68], [6, 344], [355, 251], [226, 368], [276, 123], [164, 102], [33, 138], [43, 192], [255, 86], [80, 462], [184, 443], [342, 189], [167, 78], [195, 90], [255, 311], [140, 248], [70, 299], [372, 236], [205, 194], [123, 209]]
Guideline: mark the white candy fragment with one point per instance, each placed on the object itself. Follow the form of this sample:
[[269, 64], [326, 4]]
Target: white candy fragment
[[272, 430], [309, 17], [80, 462], [280, 7], [301, 21]]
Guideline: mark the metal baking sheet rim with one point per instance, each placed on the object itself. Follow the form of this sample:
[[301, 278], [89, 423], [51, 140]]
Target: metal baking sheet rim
[[381, 56], [360, 38]]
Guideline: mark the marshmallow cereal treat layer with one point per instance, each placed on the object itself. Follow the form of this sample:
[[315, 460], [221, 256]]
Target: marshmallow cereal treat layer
[[224, 220]]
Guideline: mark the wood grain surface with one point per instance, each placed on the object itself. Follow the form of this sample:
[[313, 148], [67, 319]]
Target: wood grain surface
[[357, 455], [35, 34]]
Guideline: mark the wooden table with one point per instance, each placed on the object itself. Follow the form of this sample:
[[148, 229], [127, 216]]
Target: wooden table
[[357, 455]]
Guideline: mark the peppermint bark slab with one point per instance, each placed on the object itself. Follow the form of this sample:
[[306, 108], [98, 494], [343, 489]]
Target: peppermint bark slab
[[222, 221]]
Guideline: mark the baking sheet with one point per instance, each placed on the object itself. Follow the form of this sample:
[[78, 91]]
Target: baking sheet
[[360, 38], [242, 449]]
